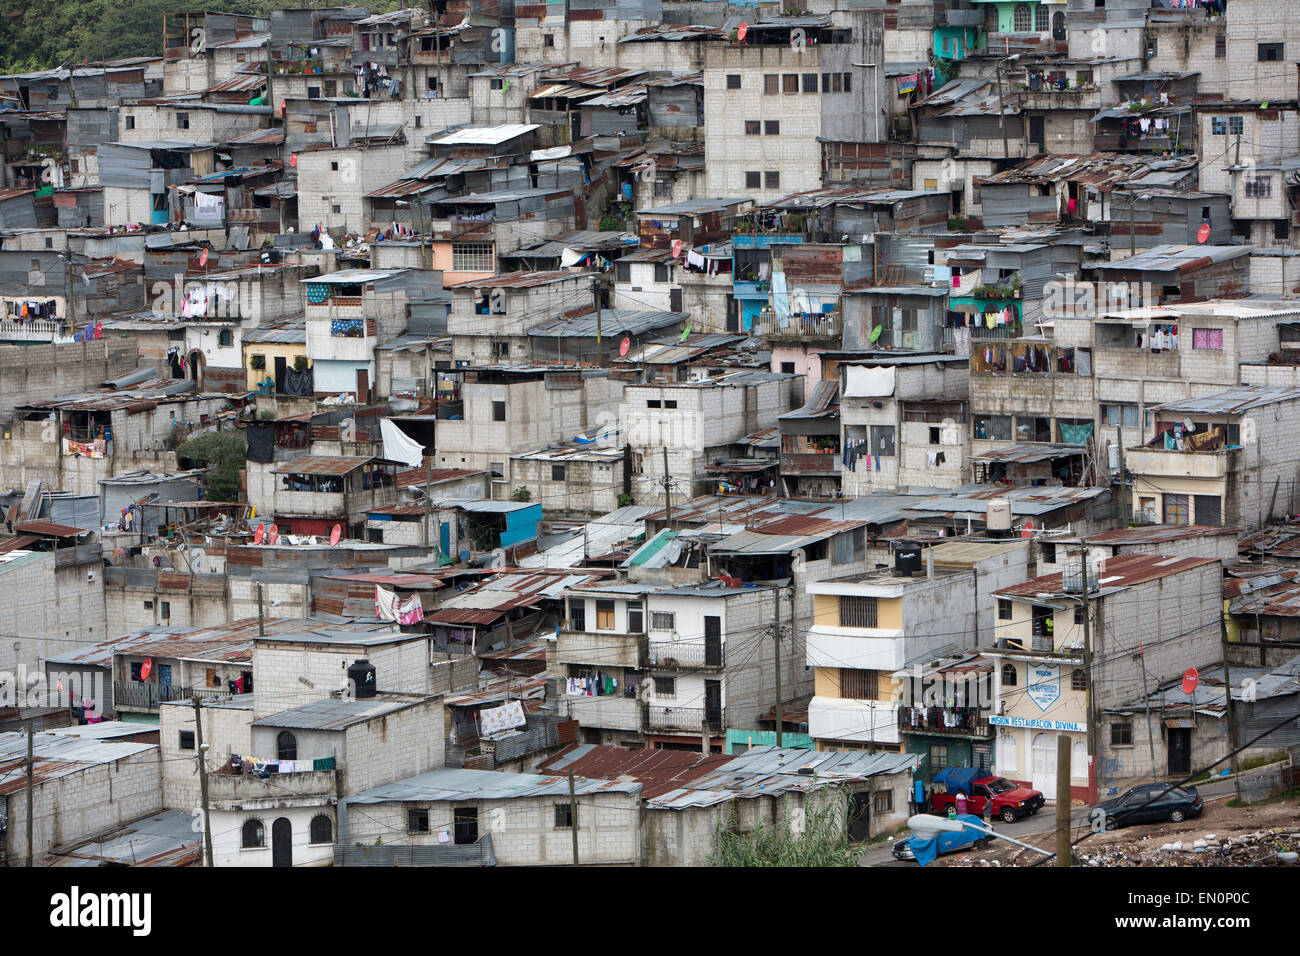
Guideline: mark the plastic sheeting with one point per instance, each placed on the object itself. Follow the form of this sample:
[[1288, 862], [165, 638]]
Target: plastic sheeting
[[863, 382], [399, 446], [261, 442]]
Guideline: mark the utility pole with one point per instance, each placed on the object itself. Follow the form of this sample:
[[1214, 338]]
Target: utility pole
[[1094, 768], [1132, 227], [1002, 114], [1231, 714], [776, 638], [1125, 492], [261, 613], [573, 816], [668, 492], [270, 95], [203, 780], [31, 732], [1151, 737], [595, 301], [1062, 800]]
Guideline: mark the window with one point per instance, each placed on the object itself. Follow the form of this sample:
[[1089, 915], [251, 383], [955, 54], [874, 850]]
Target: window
[[1236, 125], [790, 83], [787, 368], [335, 208], [1023, 18], [1121, 734], [1043, 17], [1078, 679], [670, 403], [654, 403], [1220, 45], [771, 127], [1004, 609], [130, 122], [753, 179], [635, 617], [1125, 415], [772, 179], [417, 821], [859, 684], [564, 816], [500, 350], [497, 469], [993, 427], [1281, 229], [936, 435], [1153, 45], [557, 473], [1218, 125], [472, 257], [753, 127], [849, 546], [665, 686], [253, 835], [663, 621], [771, 84], [1207, 339], [225, 338], [1261, 187], [321, 830], [938, 757], [733, 81], [604, 615], [663, 189], [1079, 615], [882, 441], [810, 82], [187, 740], [661, 272], [1008, 675], [857, 611], [1049, 553], [496, 84], [548, 39], [848, 82], [883, 801], [1270, 52], [498, 411], [577, 614], [1176, 510], [182, 120], [286, 746]]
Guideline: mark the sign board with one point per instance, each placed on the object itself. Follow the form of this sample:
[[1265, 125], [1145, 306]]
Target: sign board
[[1044, 684], [1070, 726]]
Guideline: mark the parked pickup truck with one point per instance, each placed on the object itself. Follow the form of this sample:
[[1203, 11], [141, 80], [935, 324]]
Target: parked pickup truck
[[1010, 802]]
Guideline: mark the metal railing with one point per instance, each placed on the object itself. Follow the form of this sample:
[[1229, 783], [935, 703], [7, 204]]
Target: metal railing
[[962, 721], [687, 655], [131, 693], [798, 325], [685, 719]]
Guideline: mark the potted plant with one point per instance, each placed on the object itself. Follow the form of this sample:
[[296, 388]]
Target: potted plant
[[300, 363], [257, 362]]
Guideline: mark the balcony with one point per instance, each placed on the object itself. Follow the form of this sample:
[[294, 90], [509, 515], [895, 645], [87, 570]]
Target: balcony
[[35, 330], [1125, 362], [682, 656], [231, 791], [685, 719], [815, 464], [1162, 463], [600, 649], [799, 328], [613, 712], [869, 721], [948, 722], [860, 648], [145, 695]]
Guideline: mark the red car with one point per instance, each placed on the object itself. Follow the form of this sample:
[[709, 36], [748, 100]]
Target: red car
[[1010, 801]]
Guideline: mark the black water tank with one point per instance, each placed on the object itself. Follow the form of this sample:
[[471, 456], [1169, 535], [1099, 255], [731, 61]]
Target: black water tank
[[361, 679], [907, 558]]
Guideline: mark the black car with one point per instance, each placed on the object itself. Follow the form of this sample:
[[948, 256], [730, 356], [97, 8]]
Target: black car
[[1148, 803]]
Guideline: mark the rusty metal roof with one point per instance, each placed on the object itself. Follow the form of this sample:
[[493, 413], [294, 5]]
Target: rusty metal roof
[[507, 591], [521, 280], [658, 771], [1153, 533], [49, 529], [1118, 572], [55, 755], [329, 464]]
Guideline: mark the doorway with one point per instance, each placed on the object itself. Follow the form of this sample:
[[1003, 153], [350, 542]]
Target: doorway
[[713, 706], [1038, 132], [465, 825], [712, 641], [859, 817], [282, 842], [281, 367], [1180, 750], [1043, 765], [363, 386]]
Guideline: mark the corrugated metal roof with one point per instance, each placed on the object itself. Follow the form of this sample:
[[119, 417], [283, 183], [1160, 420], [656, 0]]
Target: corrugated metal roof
[[1121, 571], [1176, 258], [1030, 453], [1233, 401], [449, 784], [56, 756], [822, 403], [339, 713], [484, 135], [329, 465], [612, 322]]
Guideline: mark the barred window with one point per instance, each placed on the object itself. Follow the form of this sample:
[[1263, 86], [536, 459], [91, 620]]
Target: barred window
[[859, 684], [663, 620], [472, 257], [1121, 735], [857, 611]]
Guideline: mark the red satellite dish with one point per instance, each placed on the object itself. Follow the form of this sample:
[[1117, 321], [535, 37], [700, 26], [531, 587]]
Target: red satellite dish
[[1027, 529], [203, 258], [336, 533], [259, 534], [1203, 233], [1190, 679], [293, 159], [273, 535], [146, 668], [742, 31], [624, 346], [677, 248]]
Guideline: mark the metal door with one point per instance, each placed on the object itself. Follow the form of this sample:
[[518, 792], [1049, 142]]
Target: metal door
[[859, 817], [282, 842], [1043, 764], [1180, 750], [713, 705], [712, 641]]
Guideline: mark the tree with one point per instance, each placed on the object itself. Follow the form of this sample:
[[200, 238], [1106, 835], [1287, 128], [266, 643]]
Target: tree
[[823, 841], [223, 454]]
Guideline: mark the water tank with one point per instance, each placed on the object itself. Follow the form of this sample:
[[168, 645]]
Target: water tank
[[907, 558], [361, 679], [998, 515]]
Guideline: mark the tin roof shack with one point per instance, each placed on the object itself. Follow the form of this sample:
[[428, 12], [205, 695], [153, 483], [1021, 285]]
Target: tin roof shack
[[975, 507], [490, 818], [502, 411], [1040, 645], [677, 168], [161, 664], [133, 422], [80, 788], [966, 112], [574, 479], [687, 797], [1177, 274], [334, 181], [1215, 459], [810, 444], [696, 422], [559, 104], [947, 701], [229, 198], [53, 575], [698, 282], [904, 423], [1263, 609], [828, 215], [1056, 552], [101, 85], [503, 219], [696, 222], [316, 490], [490, 317], [575, 338], [136, 177], [1002, 285], [1059, 96], [809, 77], [189, 67]]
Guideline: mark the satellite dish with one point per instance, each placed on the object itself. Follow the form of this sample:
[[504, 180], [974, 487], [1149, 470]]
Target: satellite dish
[[875, 334], [146, 668], [1191, 677], [686, 332], [625, 346], [259, 534], [203, 257], [336, 533], [1203, 233], [293, 160], [273, 535], [742, 31], [677, 248]]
